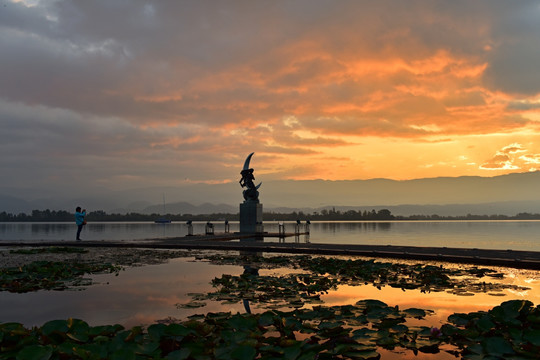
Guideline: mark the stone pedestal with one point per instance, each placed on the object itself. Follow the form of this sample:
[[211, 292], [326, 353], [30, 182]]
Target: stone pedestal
[[251, 217]]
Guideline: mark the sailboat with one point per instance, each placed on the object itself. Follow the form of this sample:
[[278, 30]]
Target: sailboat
[[163, 220]]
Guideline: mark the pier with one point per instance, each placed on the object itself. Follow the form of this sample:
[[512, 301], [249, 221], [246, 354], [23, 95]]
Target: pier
[[265, 242]]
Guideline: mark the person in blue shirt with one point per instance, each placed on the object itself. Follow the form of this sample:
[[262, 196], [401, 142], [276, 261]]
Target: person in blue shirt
[[79, 220]]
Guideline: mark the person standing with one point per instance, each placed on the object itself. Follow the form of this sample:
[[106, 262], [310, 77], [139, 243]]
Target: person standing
[[79, 220]]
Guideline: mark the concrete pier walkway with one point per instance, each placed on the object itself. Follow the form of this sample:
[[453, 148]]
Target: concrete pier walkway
[[255, 243]]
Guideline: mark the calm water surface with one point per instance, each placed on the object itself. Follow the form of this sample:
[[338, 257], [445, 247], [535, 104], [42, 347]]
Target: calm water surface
[[515, 235], [146, 294]]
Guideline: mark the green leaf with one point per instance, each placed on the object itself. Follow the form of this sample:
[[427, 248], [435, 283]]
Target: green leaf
[[363, 355], [123, 354], [533, 336], [292, 352], [511, 309], [150, 349], [497, 346], [415, 313], [156, 331], [177, 330], [82, 338], [35, 352], [181, 354], [485, 324], [459, 319], [105, 330], [266, 319], [243, 352], [66, 348], [55, 326], [242, 322], [191, 305], [371, 304]]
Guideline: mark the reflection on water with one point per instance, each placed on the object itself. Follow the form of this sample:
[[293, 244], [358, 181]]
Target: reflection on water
[[139, 295], [144, 295], [53, 229], [250, 270], [515, 235], [363, 226]]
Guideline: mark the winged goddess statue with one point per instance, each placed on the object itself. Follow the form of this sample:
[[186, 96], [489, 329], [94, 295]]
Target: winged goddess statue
[[251, 192]]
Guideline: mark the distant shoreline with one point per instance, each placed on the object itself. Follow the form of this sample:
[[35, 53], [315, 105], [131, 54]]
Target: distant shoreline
[[325, 215]]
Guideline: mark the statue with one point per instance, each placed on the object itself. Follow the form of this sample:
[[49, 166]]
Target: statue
[[251, 192], [251, 210]]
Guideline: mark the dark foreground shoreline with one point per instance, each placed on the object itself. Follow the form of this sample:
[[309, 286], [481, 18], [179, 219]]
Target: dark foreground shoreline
[[225, 242]]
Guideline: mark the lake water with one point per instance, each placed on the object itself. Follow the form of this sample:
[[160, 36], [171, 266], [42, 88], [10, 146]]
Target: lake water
[[515, 235], [143, 295]]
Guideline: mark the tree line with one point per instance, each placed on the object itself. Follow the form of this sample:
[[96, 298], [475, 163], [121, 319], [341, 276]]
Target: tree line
[[323, 215]]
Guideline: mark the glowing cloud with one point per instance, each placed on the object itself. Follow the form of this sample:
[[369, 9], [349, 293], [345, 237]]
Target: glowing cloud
[[506, 159], [135, 93]]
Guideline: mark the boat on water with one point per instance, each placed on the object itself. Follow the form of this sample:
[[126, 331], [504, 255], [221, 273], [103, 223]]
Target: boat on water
[[162, 221]]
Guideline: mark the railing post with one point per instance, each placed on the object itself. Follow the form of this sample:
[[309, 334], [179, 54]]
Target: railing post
[[281, 229], [189, 224], [259, 228], [297, 228], [209, 229]]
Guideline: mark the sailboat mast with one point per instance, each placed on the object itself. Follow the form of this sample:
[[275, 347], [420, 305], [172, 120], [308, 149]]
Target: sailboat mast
[[164, 204]]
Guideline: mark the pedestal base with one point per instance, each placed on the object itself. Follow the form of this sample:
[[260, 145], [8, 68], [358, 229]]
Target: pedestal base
[[251, 217]]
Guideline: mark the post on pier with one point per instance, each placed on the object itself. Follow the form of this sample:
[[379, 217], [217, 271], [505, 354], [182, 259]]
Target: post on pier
[[281, 231], [209, 228], [189, 224], [297, 227]]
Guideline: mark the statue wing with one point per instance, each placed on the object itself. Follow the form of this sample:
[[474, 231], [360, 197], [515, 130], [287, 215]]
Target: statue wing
[[248, 159]]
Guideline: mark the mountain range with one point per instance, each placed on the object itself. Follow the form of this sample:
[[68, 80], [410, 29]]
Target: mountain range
[[447, 196]]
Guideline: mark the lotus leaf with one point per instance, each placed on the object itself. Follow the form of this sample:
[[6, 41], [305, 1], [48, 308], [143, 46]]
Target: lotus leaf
[[459, 319], [415, 313], [497, 346], [181, 354], [484, 324], [243, 352], [533, 336], [35, 352]]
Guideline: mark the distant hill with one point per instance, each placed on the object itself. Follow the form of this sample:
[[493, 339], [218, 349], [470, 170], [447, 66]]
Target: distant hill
[[505, 194], [14, 205]]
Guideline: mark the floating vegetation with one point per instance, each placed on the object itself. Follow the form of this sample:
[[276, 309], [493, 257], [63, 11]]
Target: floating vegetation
[[141, 257], [191, 305], [293, 290], [62, 268], [286, 328], [325, 274], [51, 275], [510, 330]]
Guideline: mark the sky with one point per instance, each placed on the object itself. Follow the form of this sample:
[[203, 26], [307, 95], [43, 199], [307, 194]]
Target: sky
[[124, 94]]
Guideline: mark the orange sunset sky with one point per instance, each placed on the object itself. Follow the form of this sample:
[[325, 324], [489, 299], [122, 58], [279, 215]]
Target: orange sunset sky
[[122, 94]]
